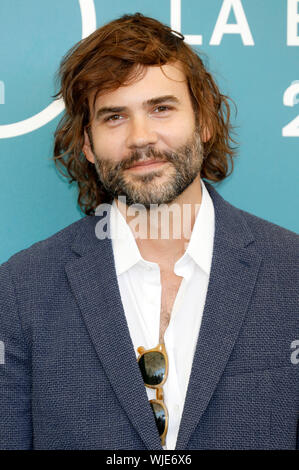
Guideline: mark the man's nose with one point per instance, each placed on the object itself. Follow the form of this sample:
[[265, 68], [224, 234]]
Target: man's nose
[[141, 133]]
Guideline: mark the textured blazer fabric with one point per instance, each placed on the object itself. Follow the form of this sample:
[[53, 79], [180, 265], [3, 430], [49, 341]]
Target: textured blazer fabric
[[69, 378]]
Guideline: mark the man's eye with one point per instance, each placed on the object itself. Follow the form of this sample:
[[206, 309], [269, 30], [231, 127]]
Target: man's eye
[[114, 117], [162, 108]]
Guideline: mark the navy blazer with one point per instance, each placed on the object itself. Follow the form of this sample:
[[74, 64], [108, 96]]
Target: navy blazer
[[69, 378]]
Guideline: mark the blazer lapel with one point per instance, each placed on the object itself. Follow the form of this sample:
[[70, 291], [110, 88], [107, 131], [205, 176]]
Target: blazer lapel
[[93, 281], [234, 271]]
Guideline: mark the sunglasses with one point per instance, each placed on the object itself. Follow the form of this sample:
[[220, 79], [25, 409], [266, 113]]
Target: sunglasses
[[153, 364]]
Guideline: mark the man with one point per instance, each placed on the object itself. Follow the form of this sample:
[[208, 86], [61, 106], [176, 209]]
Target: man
[[109, 313]]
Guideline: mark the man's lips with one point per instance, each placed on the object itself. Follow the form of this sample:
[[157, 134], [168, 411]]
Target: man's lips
[[148, 163]]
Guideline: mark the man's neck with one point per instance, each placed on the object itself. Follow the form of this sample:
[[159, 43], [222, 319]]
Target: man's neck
[[162, 234]]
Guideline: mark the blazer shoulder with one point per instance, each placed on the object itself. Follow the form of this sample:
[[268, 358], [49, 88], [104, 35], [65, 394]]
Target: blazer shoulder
[[270, 235], [56, 248]]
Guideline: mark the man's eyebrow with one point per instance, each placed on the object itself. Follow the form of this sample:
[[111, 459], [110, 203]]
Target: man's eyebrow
[[151, 102], [162, 99]]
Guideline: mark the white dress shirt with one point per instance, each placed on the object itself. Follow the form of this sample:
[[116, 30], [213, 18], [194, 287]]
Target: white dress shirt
[[140, 289]]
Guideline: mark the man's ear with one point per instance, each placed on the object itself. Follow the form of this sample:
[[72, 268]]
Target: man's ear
[[87, 148]]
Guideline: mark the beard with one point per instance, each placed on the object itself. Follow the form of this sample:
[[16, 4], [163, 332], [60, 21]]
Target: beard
[[160, 186]]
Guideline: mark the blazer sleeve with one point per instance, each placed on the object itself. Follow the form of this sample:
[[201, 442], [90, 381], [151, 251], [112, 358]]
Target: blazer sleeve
[[15, 372]]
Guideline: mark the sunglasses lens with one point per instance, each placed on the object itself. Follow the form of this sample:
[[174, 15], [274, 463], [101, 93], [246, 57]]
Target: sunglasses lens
[[152, 367], [159, 414]]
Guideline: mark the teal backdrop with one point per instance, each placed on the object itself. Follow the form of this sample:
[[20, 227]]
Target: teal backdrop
[[250, 46]]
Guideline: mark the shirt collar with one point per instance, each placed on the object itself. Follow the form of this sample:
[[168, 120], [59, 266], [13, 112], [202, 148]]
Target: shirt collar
[[199, 249]]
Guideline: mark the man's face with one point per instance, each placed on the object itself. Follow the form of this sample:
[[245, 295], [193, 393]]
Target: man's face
[[145, 144]]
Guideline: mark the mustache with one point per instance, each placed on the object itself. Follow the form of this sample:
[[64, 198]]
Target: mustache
[[143, 156]]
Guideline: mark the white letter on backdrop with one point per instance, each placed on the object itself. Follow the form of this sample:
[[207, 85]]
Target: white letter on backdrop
[[240, 27], [293, 20], [2, 92], [175, 22]]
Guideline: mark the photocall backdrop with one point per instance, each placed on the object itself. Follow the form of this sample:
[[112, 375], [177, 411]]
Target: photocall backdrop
[[250, 46]]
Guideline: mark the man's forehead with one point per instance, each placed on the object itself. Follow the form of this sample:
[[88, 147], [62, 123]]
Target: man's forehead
[[155, 76]]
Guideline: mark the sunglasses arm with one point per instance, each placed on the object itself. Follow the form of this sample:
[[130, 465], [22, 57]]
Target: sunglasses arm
[[159, 394], [141, 350]]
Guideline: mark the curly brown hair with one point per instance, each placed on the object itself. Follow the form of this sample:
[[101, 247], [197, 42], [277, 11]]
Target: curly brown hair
[[104, 61]]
